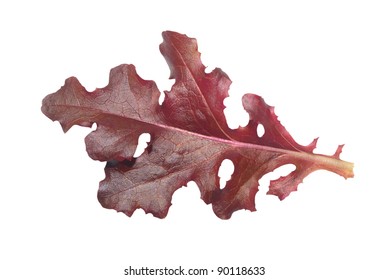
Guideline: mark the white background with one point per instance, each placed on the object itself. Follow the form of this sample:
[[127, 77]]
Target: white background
[[324, 65]]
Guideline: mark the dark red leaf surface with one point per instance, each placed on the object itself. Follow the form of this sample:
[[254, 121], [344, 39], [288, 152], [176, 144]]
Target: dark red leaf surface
[[189, 137]]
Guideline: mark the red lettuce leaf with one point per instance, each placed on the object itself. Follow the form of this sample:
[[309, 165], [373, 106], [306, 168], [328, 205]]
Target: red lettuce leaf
[[189, 137]]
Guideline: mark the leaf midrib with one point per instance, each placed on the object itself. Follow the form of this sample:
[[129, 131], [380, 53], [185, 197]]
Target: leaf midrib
[[323, 160]]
